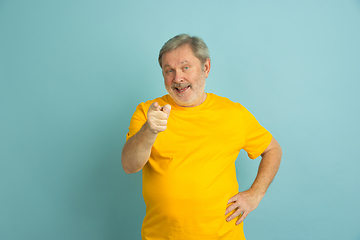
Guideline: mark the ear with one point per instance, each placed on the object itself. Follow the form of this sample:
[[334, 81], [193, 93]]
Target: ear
[[207, 66]]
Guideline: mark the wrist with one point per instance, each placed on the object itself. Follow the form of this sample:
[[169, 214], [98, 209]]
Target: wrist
[[258, 191], [148, 134]]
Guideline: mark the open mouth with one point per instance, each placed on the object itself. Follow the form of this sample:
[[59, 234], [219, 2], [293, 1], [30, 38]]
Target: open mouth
[[181, 90]]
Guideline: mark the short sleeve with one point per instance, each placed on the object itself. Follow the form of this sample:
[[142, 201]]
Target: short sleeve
[[138, 119], [257, 138]]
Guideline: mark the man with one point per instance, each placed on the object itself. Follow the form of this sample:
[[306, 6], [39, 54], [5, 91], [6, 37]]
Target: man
[[186, 143]]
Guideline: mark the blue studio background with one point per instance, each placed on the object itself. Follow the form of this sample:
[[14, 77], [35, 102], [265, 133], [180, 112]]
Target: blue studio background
[[73, 72]]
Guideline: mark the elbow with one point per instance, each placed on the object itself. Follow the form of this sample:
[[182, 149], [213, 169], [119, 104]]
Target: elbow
[[129, 169], [129, 162], [126, 170]]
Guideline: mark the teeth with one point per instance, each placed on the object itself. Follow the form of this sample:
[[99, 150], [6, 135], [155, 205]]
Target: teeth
[[180, 90]]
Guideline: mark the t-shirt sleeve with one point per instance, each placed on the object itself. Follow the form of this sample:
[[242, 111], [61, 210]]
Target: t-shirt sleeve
[[138, 119], [257, 138]]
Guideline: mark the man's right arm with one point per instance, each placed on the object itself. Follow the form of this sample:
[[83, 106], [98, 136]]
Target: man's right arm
[[137, 149]]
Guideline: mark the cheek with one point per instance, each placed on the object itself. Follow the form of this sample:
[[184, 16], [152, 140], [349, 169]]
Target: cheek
[[167, 82]]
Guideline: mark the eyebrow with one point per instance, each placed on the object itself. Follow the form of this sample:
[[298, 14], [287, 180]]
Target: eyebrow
[[183, 62]]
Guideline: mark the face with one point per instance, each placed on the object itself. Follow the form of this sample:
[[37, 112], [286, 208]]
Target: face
[[185, 76]]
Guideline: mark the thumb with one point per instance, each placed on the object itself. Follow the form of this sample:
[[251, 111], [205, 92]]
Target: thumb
[[166, 108], [155, 106]]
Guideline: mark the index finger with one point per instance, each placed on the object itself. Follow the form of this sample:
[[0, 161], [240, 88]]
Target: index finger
[[233, 199], [155, 106]]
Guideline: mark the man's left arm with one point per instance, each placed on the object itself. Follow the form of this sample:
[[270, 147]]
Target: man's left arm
[[246, 201]]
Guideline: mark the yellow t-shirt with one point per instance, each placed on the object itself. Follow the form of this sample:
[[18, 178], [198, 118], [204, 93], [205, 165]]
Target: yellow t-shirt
[[190, 175]]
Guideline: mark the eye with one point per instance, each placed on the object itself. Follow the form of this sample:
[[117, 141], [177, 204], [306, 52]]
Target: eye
[[186, 68]]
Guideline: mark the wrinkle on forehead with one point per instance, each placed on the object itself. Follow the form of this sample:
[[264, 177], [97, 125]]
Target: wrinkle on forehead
[[181, 63]]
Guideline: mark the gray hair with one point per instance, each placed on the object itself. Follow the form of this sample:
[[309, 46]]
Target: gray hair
[[198, 46]]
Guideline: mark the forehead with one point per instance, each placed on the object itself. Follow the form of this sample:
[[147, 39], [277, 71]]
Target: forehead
[[181, 55]]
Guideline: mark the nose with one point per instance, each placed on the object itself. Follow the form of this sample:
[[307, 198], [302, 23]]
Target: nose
[[179, 77]]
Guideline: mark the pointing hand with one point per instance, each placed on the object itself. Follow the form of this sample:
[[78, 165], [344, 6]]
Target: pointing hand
[[157, 117]]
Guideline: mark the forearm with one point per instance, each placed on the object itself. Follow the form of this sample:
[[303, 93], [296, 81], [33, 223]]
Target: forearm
[[268, 168], [247, 201], [137, 149]]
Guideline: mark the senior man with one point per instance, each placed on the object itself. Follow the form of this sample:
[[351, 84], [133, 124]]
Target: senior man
[[186, 144]]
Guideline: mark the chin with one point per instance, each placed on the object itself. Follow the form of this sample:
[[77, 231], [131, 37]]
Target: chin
[[180, 103], [184, 101], [188, 103]]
